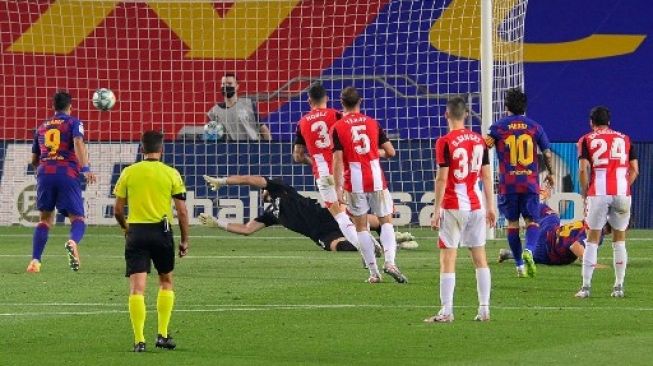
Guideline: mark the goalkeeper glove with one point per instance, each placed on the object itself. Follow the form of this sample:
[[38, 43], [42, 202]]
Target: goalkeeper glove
[[215, 183]]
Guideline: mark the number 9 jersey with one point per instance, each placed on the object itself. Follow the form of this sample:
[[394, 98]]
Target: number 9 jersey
[[517, 138], [53, 143], [464, 152]]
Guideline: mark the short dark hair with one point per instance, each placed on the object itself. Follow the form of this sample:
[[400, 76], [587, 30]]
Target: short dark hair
[[516, 101], [457, 107], [349, 97], [317, 92], [600, 116], [152, 141], [230, 75], [61, 100]]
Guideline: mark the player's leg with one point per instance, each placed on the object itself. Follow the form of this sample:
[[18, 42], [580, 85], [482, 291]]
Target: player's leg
[[345, 224], [39, 240], [163, 257], [529, 208], [448, 240], [71, 202], [618, 217], [509, 208], [596, 217], [364, 238], [473, 237], [382, 206], [137, 261], [341, 245]]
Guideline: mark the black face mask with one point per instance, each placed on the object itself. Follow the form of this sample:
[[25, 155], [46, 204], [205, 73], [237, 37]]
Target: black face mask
[[228, 91]]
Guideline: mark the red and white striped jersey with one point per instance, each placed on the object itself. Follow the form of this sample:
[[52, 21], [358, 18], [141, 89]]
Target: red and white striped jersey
[[463, 152], [359, 137], [314, 132], [609, 153]]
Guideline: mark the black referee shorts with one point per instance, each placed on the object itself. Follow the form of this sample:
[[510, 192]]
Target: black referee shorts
[[147, 244]]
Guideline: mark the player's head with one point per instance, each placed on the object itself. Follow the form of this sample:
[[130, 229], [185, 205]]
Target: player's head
[[62, 101], [456, 112], [600, 116], [515, 101], [229, 85], [152, 142], [317, 95], [350, 99]]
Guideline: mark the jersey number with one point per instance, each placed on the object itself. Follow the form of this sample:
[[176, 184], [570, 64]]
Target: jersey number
[[464, 167], [53, 140], [521, 149], [323, 140], [565, 230], [617, 151], [361, 139]]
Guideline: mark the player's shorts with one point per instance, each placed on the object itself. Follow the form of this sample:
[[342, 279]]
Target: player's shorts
[[60, 191], [612, 209], [327, 188], [378, 202], [547, 229], [514, 205], [461, 228], [147, 244]]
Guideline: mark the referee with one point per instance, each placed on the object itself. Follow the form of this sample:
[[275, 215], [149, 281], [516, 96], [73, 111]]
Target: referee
[[147, 187]]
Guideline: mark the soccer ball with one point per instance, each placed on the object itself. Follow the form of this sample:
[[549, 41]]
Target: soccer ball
[[104, 99], [213, 131]]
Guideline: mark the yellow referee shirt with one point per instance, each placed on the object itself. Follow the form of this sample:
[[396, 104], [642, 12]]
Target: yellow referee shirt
[[148, 187]]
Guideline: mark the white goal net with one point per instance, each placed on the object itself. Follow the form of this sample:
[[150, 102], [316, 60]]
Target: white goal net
[[164, 60]]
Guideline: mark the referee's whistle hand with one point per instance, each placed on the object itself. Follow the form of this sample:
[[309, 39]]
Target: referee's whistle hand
[[183, 249]]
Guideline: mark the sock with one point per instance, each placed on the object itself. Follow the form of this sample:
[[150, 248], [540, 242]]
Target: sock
[[39, 240], [77, 229], [367, 251], [389, 243], [483, 285], [137, 316], [447, 285], [348, 228], [164, 303], [532, 232], [620, 261], [515, 245], [589, 261]]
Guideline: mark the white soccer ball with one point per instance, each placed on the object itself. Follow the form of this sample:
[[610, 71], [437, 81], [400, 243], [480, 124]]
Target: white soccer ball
[[213, 131], [104, 99]]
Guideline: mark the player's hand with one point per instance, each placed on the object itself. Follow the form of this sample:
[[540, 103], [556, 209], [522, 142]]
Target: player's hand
[[435, 220], [491, 217], [208, 220], [183, 249], [90, 177], [214, 183], [550, 180], [341, 196]]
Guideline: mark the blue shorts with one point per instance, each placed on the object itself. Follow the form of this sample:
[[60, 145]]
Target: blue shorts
[[60, 191], [541, 255], [514, 205]]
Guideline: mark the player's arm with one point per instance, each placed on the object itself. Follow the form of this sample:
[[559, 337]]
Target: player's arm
[[488, 189], [583, 167], [299, 149], [545, 146], [237, 180], [491, 138], [633, 166], [81, 152], [243, 229], [338, 166], [36, 151], [119, 213], [442, 159], [182, 216], [387, 150]]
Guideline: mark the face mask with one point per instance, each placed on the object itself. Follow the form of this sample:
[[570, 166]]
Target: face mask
[[228, 91]]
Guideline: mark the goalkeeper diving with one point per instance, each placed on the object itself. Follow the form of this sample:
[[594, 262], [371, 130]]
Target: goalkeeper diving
[[293, 211]]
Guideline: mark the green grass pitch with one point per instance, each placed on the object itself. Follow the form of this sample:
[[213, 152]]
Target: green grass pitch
[[276, 299]]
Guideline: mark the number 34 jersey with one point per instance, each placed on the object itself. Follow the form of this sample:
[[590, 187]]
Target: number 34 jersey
[[464, 152], [516, 139], [53, 143], [359, 137], [609, 153], [314, 132]]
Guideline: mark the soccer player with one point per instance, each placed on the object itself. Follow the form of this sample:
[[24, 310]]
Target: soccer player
[[608, 167], [59, 157], [358, 143], [147, 188], [516, 138], [293, 211], [314, 137], [459, 212]]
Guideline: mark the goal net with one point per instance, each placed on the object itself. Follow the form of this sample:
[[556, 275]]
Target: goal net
[[164, 60]]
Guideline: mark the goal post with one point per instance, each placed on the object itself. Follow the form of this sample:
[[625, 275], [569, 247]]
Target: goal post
[[164, 61]]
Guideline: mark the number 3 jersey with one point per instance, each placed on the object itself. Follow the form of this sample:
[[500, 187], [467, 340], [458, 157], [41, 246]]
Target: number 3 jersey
[[53, 143], [314, 132], [516, 139], [359, 137], [464, 152], [609, 153]]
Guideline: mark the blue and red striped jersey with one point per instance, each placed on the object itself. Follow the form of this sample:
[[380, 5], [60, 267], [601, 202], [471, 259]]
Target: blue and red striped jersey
[[53, 143]]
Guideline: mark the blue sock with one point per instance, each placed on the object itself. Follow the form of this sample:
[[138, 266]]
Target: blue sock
[[532, 231], [39, 240], [77, 228], [515, 245]]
